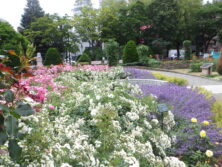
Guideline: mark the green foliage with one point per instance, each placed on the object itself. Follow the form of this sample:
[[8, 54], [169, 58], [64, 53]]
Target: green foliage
[[112, 52], [133, 64], [84, 58], [216, 109], [219, 65], [198, 158], [144, 53], [154, 63], [9, 129], [220, 35], [86, 25], [52, 57], [195, 67], [187, 45], [130, 54], [32, 12], [176, 80], [204, 91], [206, 28], [11, 40], [164, 15], [40, 34]]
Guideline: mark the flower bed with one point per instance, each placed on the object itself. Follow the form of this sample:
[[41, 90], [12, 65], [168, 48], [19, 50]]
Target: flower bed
[[186, 104], [95, 122]]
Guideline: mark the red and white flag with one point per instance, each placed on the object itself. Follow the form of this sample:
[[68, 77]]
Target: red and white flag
[[142, 28]]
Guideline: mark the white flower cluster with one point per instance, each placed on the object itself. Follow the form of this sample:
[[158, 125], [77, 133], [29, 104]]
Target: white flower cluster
[[98, 122]]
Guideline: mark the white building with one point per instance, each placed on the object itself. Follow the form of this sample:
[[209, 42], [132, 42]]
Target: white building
[[78, 6]]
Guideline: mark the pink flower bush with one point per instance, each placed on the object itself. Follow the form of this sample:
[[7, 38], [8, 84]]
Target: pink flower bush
[[95, 67], [43, 80]]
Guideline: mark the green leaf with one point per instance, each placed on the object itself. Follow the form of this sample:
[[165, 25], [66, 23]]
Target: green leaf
[[3, 137], [24, 110], [14, 150], [2, 119], [9, 96], [11, 125], [4, 107], [15, 115]]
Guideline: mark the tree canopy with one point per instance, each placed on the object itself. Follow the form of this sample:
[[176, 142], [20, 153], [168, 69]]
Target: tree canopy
[[52, 31], [32, 11]]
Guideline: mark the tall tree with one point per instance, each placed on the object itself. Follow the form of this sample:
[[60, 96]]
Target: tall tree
[[163, 15], [52, 31], [209, 23], [130, 19], [86, 26], [33, 11], [80, 4], [115, 4]]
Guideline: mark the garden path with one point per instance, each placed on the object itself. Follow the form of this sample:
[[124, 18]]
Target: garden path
[[214, 86]]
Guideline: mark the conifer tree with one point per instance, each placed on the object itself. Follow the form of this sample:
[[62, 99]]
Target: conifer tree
[[32, 11]]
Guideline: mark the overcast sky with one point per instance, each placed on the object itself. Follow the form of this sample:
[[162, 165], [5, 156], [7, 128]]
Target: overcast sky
[[11, 10]]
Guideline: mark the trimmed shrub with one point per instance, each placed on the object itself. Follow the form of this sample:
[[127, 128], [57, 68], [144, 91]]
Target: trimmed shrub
[[84, 58], [111, 51], [175, 80], [153, 63], [52, 57], [195, 67], [187, 44], [130, 54], [219, 65], [143, 52]]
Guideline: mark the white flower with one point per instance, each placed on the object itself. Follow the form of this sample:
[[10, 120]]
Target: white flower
[[138, 131], [173, 162], [164, 141], [132, 116], [94, 112], [65, 165], [147, 124], [155, 121], [116, 125], [98, 143], [209, 153], [98, 97]]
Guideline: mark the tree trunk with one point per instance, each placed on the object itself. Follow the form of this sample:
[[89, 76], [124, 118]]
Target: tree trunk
[[178, 51]]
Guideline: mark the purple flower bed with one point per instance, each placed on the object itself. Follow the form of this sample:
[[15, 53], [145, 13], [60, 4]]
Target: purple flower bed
[[186, 103], [138, 73]]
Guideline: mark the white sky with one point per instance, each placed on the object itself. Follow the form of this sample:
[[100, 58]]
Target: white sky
[[12, 10]]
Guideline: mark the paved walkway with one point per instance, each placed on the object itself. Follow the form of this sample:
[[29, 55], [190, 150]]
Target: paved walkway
[[214, 86]]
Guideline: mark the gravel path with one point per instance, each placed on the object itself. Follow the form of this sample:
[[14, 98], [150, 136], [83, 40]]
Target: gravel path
[[214, 86], [193, 80]]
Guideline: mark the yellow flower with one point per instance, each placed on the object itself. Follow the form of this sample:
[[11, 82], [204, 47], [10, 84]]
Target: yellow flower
[[216, 143], [209, 153], [205, 123], [203, 133], [194, 120]]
